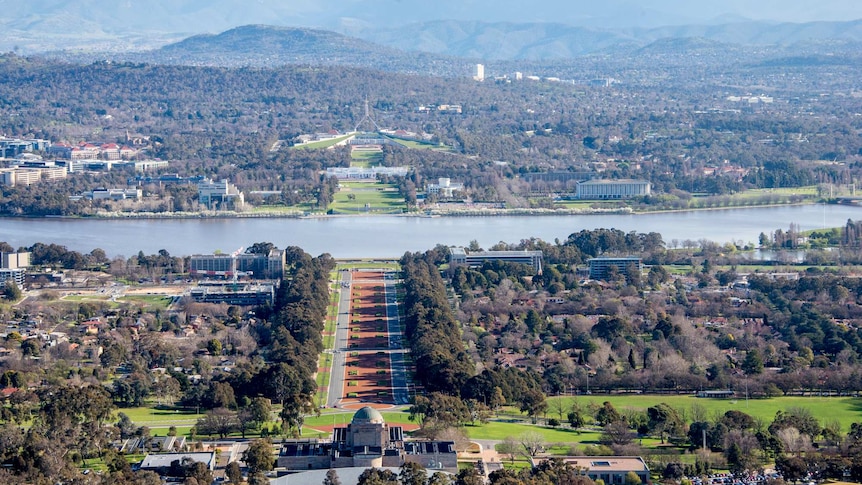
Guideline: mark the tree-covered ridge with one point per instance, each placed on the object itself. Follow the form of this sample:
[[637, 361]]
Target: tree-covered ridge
[[431, 329]]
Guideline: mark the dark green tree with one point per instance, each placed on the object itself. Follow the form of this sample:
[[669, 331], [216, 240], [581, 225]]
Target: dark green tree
[[259, 456]]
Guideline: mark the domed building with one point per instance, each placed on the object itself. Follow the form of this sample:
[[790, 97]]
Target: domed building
[[366, 442]]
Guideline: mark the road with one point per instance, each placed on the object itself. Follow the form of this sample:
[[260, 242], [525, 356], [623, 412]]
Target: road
[[340, 345], [398, 368]]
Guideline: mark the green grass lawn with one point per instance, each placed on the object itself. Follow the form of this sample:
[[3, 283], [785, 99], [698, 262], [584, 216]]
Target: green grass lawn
[[153, 301], [151, 417], [574, 204], [808, 191], [323, 377], [365, 159], [499, 430], [367, 197], [321, 144], [382, 265], [283, 209], [845, 410], [419, 145], [81, 298]]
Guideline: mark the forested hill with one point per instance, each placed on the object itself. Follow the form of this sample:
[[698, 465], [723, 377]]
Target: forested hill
[[264, 45]]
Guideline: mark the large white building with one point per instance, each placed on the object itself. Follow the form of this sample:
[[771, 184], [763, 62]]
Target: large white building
[[613, 189], [220, 195], [444, 187], [479, 73]]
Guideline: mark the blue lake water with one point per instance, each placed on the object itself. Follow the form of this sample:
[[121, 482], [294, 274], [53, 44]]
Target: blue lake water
[[386, 236]]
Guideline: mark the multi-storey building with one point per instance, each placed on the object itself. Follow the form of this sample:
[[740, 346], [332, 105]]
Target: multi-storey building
[[261, 266], [476, 259], [601, 267], [220, 195], [613, 189]]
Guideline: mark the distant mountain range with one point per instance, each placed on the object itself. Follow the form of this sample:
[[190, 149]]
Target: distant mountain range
[[538, 41], [480, 29], [403, 48]]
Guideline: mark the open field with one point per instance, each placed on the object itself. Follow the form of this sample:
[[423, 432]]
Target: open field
[[298, 209], [575, 204], [152, 301], [154, 418], [87, 297], [365, 159], [358, 264], [809, 191], [418, 145], [322, 144], [367, 197], [845, 410]]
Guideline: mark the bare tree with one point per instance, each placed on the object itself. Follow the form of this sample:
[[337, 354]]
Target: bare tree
[[532, 444]]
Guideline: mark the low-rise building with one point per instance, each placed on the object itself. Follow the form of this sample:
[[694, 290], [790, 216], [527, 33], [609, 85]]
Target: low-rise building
[[162, 463], [235, 294], [475, 259], [365, 173], [613, 189], [612, 470], [115, 194]]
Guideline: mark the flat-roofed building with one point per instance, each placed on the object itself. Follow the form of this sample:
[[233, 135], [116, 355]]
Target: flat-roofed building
[[161, 462], [610, 469], [444, 187], [268, 266], [235, 294], [144, 165], [475, 259], [20, 176], [613, 189], [115, 194], [601, 267], [220, 195], [14, 260], [17, 275]]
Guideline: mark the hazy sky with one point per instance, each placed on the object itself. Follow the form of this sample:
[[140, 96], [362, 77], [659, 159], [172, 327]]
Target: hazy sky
[[695, 10], [218, 15]]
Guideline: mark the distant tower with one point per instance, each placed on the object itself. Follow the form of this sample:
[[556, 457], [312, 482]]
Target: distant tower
[[479, 74], [367, 117], [519, 75]]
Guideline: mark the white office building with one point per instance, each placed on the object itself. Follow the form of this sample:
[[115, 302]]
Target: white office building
[[479, 73]]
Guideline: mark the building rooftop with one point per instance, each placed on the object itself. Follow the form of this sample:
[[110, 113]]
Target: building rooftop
[[164, 460], [367, 415]]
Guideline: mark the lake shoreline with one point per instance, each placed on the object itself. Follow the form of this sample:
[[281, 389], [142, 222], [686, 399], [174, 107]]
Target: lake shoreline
[[431, 214]]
